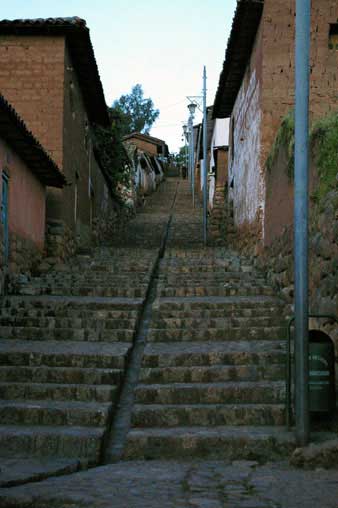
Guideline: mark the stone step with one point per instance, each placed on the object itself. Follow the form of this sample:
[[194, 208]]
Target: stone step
[[53, 391], [65, 334], [224, 442], [241, 290], [216, 322], [210, 334], [161, 312], [211, 374], [51, 441], [211, 393], [191, 354], [59, 375], [41, 412], [117, 292], [175, 415], [224, 303], [63, 354], [92, 277], [50, 322], [207, 271], [181, 277], [63, 315], [70, 303]]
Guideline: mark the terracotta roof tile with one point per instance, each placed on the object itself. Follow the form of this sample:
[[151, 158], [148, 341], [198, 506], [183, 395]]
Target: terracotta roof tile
[[14, 131]]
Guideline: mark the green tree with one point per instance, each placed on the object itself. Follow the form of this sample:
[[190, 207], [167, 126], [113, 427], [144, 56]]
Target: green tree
[[181, 156], [134, 112]]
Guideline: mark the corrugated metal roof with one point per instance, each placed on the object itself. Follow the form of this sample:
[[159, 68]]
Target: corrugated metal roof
[[81, 50], [242, 37], [14, 131]]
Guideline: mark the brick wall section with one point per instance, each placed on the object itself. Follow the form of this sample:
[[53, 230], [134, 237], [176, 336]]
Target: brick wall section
[[278, 63], [31, 79], [222, 167], [78, 163], [272, 61], [145, 146], [278, 91]]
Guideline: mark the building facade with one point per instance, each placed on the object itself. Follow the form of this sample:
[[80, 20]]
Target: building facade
[[26, 170], [49, 74], [256, 90]]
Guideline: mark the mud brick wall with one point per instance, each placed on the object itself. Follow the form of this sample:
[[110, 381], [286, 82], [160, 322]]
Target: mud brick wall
[[245, 168], [38, 77], [266, 96], [31, 79], [143, 145], [278, 67]]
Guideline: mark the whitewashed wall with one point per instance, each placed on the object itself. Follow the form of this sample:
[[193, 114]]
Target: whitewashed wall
[[244, 165]]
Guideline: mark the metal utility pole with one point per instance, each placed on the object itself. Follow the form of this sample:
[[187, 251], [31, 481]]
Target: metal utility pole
[[192, 107], [302, 78], [192, 161], [205, 155]]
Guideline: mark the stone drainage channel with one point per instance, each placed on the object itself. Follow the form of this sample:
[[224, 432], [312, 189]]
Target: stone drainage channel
[[113, 447], [118, 425]]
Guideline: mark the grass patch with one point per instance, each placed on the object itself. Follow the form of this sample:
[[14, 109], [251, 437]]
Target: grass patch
[[286, 138], [323, 146], [324, 149]]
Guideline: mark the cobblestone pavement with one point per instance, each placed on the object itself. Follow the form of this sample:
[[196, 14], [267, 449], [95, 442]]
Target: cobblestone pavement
[[169, 484]]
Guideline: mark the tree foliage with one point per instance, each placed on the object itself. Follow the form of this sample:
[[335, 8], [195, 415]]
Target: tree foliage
[[134, 112], [181, 156], [112, 156]]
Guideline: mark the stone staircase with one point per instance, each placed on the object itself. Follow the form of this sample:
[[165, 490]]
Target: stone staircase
[[66, 338], [63, 356], [212, 382], [221, 229], [212, 374]]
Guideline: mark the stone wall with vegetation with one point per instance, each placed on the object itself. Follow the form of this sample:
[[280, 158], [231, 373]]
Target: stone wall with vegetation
[[107, 225], [276, 257]]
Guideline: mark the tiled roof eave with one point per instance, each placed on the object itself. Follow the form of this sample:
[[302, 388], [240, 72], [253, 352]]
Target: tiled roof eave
[[243, 34]]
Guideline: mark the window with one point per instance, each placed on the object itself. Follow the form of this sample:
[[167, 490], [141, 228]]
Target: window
[[333, 36]]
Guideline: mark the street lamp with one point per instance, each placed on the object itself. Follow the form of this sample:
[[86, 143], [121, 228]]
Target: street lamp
[[200, 102]]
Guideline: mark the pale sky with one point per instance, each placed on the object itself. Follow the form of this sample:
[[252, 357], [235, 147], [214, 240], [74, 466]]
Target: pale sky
[[161, 44]]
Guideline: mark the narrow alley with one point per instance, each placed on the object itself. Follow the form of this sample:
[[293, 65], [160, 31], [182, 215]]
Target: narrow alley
[[152, 348]]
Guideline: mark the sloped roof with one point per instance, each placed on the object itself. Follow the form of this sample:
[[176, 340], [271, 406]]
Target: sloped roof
[[148, 139], [76, 32], [14, 131], [242, 37], [145, 137]]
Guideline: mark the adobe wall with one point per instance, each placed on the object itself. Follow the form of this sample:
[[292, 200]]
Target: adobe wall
[[145, 146], [222, 167], [278, 90], [31, 79], [278, 64], [78, 158], [246, 183], [26, 212]]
